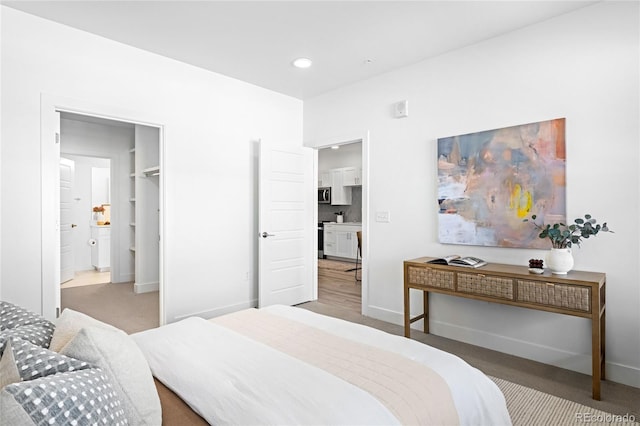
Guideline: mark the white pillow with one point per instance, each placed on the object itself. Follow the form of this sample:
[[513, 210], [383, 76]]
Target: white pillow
[[120, 358], [69, 324]]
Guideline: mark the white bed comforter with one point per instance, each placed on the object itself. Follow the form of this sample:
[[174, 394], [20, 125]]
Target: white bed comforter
[[230, 379]]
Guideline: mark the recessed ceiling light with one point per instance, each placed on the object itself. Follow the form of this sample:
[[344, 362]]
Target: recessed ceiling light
[[302, 63], [335, 147]]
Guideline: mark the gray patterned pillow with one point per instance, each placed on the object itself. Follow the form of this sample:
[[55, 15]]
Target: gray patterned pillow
[[31, 361], [122, 361], [22, 323], [75, 398]]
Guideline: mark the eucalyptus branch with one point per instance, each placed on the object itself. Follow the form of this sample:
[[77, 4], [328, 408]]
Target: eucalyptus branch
[[564, 236]]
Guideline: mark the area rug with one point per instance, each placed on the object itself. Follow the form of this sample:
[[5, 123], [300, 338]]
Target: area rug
[[529, 407]]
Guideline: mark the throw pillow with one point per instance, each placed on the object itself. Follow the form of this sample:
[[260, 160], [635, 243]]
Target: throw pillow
[[69, 324], [30, 361], [80, 397], [20, 322], [8, 370], [126, 367]]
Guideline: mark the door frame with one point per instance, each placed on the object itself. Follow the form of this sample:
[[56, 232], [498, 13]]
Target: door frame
[[50, 106], [362, 137], [71, 164]]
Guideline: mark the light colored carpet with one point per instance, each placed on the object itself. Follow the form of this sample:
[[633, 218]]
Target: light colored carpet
[[115, 304], [529, 407]]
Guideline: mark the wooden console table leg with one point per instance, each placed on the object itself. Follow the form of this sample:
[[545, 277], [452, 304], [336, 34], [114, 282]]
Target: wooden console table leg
[[425, 304], [407, 319], [603, 328], [597, 352]]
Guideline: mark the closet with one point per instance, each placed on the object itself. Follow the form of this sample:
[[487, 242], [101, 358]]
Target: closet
[[144, 205]]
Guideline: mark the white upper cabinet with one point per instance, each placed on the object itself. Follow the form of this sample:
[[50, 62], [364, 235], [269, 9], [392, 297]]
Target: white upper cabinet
[[324, 179], [340, 194], [352, 176]]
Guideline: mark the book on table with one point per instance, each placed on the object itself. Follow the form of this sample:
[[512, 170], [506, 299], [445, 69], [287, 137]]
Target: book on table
[[455, 260]]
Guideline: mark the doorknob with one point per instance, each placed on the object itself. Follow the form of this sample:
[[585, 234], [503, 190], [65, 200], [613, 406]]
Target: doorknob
[[73, 225], [266, 234]]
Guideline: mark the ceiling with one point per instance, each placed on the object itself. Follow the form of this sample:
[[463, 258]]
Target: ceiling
[[256, 41]]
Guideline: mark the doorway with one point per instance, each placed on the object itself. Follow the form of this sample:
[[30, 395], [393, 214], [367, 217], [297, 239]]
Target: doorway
[[117, 273], [85, 219], [341, 225], [51, 107]]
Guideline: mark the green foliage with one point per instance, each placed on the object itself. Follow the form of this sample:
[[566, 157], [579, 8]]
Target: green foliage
[[563, 236]]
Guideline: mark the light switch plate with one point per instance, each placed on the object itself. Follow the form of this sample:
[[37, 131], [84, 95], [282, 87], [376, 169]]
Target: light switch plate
[[384, 217]]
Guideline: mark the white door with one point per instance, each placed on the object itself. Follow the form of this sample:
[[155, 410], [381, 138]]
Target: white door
[[286, 247], [67, 171]]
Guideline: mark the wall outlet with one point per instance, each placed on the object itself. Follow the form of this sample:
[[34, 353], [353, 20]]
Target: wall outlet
[[384, 217]]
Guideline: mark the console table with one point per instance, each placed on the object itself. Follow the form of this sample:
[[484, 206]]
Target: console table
[[577, 293]]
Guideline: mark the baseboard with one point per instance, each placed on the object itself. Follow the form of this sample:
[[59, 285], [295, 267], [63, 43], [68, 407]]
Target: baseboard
[[384, 314], [145, 287], [211, 313], [616, 372], [123, 278]]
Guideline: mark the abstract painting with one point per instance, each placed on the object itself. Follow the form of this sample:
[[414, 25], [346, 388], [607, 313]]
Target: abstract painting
[[488, 182]]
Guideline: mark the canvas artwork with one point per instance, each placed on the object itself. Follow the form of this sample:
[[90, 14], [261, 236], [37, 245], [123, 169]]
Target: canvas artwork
[[488, 182]]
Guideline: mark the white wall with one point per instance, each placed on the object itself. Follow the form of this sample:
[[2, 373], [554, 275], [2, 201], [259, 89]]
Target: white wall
[[582, 66], [346, 156], [211, 123], [82, 205]]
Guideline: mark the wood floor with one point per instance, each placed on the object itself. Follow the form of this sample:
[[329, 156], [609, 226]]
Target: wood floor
[[337, 284], [90, 277]]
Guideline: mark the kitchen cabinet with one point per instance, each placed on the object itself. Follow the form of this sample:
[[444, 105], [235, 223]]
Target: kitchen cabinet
[[324, 179], [329, 240], [340, 194], [340, 240], [352, 176]]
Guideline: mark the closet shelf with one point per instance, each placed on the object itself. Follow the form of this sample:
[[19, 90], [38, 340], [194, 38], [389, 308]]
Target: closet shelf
[[151, 171]]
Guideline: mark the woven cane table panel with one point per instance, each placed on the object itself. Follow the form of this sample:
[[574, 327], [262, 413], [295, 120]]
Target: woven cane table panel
[[551, 294], [431, 277], [486, 285]]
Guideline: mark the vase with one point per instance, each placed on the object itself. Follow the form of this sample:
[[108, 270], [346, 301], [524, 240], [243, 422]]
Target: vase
[[559, 260]]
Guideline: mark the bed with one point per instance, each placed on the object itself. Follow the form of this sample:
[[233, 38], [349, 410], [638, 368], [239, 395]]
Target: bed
[[286, 365]]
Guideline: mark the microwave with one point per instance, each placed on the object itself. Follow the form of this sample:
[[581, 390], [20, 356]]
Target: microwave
[[324, 195]]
